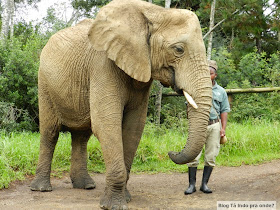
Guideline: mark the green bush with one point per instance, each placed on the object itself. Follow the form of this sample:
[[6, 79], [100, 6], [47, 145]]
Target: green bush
[[257, 68], [254, 67], [227, 71], [19, 63], [255, 105], [13, 119], [254, 70]]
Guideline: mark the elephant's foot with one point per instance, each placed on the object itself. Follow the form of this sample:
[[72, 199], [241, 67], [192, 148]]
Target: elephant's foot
[[83, 182], [114, 201], [41, 184], [127, 196]]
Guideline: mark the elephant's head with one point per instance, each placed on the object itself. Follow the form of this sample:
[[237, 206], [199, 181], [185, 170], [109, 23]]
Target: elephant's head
[[149, 42]]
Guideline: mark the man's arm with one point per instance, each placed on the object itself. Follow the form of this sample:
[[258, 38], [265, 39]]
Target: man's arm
[[224, 123]]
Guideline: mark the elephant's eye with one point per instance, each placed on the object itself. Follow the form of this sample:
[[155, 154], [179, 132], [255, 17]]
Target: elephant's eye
[[179, 50]]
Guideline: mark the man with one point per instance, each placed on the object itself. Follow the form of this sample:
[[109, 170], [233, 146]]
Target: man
[[215, 130]]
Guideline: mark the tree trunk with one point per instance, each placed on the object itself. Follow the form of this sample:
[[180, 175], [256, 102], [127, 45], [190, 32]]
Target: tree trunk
[[12, 15], [219, 23], [209, 48], [231, 39], [258, 45], [167, 3], [158, 102], [7, 19]]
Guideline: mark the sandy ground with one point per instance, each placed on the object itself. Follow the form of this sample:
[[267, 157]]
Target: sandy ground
[[158, 191]]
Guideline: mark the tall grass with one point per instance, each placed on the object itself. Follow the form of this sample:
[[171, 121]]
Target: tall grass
[[250, 142]]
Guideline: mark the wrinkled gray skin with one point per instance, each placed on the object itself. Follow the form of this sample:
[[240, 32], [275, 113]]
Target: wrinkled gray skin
[[95, 78]]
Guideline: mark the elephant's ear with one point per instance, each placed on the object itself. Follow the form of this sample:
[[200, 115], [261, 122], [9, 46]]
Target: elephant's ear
[[121, 30]]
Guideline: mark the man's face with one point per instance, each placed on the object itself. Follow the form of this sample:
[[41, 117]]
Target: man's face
[[213, 74]]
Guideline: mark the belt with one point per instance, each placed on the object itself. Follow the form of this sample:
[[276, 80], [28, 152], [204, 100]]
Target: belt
[[213, 121]]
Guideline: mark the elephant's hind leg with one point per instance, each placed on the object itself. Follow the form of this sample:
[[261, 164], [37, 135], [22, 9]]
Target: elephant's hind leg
[[79, 174], [41, 182], [49, 131]]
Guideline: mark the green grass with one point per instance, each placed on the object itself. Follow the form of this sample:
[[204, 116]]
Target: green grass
[[250, 142]]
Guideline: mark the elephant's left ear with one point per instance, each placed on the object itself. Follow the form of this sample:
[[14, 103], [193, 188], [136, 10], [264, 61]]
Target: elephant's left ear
[[121, 30]]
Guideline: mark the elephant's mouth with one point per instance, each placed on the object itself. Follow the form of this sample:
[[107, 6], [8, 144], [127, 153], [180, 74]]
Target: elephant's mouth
[[171, 82], [187, 96], [177, 90]]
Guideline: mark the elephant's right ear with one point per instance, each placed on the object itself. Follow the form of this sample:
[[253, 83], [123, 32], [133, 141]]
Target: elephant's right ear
[[121, 30]]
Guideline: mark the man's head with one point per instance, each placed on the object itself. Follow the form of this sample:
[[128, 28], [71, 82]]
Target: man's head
[[213, 69]]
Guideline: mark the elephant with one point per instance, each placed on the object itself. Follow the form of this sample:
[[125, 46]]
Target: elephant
[[95, 77]]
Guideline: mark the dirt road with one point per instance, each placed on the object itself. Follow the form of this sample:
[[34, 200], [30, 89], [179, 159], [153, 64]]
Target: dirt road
[[158, 191]]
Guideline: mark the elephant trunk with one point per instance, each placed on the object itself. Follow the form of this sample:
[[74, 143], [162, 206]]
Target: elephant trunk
[[198, 122], [196, 138]]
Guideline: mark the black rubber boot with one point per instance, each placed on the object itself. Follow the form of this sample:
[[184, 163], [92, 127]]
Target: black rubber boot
[[206, 175], [192, 180]]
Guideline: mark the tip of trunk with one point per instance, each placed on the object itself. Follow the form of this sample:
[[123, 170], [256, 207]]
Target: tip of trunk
[[179, 157]]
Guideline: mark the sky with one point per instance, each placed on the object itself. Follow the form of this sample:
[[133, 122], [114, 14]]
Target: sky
[[36, 15]]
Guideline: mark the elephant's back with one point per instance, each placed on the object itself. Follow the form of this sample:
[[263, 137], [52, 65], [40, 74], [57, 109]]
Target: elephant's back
[[67, 49], [68, 41]]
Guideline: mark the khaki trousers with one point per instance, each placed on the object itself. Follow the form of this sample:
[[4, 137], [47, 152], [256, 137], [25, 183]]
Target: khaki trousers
[[212, 146]]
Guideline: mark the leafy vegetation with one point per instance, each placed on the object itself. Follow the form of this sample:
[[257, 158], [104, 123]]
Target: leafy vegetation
[[19, 63], [250, 142]]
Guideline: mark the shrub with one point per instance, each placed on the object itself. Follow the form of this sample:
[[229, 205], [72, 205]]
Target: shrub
[[19, 64], [14, 119], [254, 70]]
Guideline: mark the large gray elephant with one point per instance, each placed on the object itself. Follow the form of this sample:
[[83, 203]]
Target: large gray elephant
[[95, 78]]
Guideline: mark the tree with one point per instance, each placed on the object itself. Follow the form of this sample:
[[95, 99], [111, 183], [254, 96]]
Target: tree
[[7, 19], [211, 25], [246, 25], [275, 17], [183, 4], [85, 6], [167, 3], [8, 8]]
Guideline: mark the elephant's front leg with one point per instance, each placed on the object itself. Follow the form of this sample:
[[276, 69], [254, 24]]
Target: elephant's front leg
[[107, 126], [116, 175], [133, 125]]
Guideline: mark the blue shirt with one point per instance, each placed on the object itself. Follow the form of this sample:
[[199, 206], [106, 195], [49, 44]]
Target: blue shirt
[[220, 102]]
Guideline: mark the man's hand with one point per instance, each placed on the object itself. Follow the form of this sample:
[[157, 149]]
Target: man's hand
[[222, 132]]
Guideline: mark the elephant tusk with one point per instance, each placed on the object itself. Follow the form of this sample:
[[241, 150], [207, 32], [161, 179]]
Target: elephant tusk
[[190, 99]]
